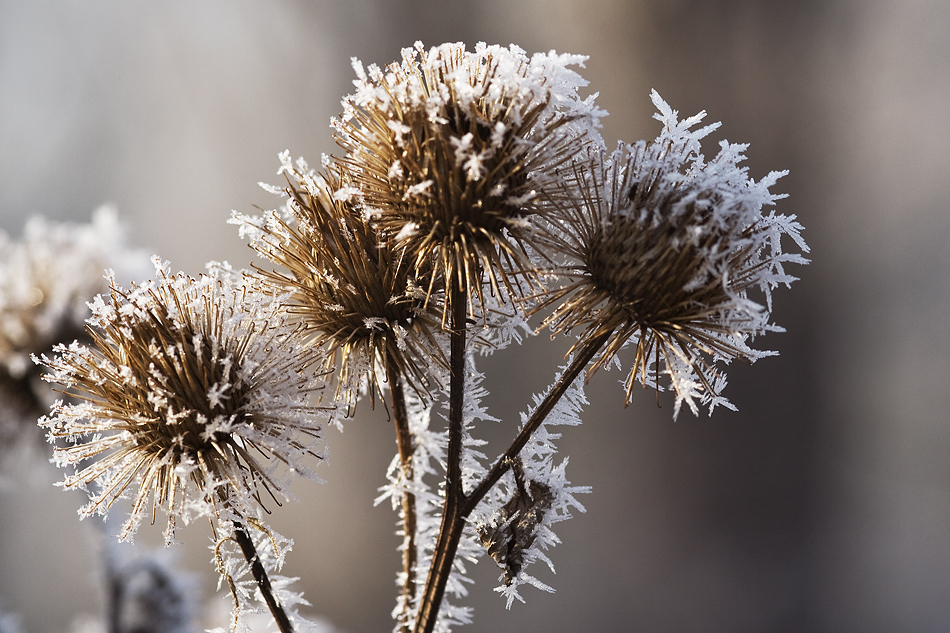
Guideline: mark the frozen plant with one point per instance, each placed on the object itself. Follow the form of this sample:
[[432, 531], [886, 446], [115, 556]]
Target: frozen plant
[[472, 194], [662, 250]]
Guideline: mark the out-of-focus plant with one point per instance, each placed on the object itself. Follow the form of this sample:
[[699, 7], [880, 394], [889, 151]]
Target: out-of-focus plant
[[47, 278]]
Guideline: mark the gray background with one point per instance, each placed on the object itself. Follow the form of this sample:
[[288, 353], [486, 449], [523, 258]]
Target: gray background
[[822, 505]]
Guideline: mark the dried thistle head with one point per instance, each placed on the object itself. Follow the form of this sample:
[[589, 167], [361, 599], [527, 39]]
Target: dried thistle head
[[45, 281], [194, 394], [450, 148], [353, 295], [663, 250]]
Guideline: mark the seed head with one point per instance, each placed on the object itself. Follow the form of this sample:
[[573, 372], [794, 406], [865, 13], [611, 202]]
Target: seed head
[[193, 394], [451, 147], [351, 292], [664, 250]]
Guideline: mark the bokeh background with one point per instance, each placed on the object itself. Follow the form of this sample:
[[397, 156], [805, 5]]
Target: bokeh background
[[822, 505]]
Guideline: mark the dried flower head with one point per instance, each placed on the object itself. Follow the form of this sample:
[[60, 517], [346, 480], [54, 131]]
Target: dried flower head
[[513, 527], [194, 394], [664, 250], [353, 295], [450, 148]]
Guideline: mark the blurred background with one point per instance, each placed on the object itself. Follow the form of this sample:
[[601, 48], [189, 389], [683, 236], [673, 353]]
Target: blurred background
[[823, 504]]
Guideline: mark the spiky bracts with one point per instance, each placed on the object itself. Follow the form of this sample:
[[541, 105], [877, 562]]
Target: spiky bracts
[[663, 250], [350, 291], [194, 395], [450, 148]]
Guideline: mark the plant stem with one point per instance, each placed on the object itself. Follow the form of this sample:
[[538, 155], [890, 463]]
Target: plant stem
[[452, 522], [578, 363], [457, 505], [404, 445], [246, 544]]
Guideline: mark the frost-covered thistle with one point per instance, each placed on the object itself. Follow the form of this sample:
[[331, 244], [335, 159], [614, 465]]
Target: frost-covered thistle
[[663, 251], [353, 295], [469, 178], [450, 148], [193, 396]]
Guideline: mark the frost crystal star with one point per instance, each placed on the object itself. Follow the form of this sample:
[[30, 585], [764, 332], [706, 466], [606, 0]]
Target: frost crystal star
[[194, 394], [666, 249]]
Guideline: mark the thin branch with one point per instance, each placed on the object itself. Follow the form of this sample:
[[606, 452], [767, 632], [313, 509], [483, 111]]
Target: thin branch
[[246, 544], [458, 506], [404, 445], [578, 364]]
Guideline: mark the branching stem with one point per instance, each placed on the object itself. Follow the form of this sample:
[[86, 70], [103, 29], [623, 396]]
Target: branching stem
[[578, 364], [458, 505]]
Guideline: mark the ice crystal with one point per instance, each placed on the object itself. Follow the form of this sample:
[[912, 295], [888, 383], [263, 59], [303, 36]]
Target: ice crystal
[[514, 522], [429, 460], [429, 451], [235, 573]]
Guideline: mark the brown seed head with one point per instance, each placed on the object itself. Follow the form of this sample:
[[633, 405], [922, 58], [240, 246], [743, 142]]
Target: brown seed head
[[351, 292], [193, 389], [450, 149], [663, 251]]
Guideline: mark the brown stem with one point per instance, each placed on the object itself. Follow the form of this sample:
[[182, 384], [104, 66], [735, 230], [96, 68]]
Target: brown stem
[[458, 506], [404, 445], [453, 476], [246, 544], [450, 531], [578, 363]]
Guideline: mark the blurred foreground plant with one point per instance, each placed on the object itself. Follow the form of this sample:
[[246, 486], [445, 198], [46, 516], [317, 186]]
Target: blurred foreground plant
[[473, 193]]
